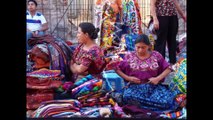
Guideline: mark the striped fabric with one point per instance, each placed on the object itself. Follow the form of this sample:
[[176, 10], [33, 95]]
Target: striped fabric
[[35, 22], [58, 108]]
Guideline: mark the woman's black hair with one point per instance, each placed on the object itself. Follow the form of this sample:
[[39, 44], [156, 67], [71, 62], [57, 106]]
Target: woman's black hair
[[33, 1], [89, 28], [142, 38]]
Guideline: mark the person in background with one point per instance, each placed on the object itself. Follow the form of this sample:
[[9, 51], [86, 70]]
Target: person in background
[[164, 13], [88, 57], [145, 71], [36, 22]]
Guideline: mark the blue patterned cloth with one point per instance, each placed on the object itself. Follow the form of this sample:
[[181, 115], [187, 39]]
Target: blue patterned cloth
[[130, 41], [153, 97]]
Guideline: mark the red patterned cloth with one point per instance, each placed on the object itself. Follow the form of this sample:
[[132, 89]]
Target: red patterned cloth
[[93, 59], [40, 84], [36, 97]]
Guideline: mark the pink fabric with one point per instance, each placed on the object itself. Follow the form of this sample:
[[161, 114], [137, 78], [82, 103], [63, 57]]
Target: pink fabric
[[94, 58], [143, 69]]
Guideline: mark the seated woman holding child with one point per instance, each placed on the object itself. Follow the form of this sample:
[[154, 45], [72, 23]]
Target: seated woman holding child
[[146, 70]]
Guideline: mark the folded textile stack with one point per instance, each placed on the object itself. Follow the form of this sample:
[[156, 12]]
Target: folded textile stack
[[44, 79], [95, 101], [86, 85], [40, 86], [58, 108]]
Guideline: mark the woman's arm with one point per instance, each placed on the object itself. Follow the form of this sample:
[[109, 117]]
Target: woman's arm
[[156, 80], [77, 68], [180, 11], [153, 13], [128, 78]]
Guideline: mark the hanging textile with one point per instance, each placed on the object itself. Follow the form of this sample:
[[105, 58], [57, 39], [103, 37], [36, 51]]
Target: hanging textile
[[131, 17], [107, 19]]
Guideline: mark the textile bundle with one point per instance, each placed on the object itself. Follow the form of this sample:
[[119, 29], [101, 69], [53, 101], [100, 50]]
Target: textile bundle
[[58, 108], [40, 84], [86, 85], [55, 51]]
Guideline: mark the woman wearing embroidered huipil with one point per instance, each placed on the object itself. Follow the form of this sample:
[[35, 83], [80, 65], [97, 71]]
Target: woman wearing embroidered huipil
[[165, 21], [88, 57], [146, 70]]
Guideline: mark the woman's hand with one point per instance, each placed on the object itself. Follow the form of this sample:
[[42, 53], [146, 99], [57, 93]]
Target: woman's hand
[[134, 80], [154, 80], [156, 24]]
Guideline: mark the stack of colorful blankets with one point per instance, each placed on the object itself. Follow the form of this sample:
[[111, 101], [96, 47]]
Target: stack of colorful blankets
[[40, 86]]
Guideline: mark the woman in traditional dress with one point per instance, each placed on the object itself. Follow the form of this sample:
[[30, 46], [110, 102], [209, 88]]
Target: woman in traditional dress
[[88, 57], [146, 70]]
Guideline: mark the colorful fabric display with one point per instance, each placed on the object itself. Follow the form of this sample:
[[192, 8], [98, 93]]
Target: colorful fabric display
[[44, 79], [180, 76], [44, 73], [58, 108], [153, 97], [40, 84], [87, 87], [66, 86], [110, 12], [175, 114], [112, 81], [181, 100], [130, 41], [131, 17], [83, 80], [96, 94], [97, 101]]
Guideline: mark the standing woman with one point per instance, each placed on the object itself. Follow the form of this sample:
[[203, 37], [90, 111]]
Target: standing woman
[[165, 21], [88, 57]]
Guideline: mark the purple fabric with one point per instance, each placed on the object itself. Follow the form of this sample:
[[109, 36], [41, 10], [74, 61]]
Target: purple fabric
[[143, 69], [139, 112]]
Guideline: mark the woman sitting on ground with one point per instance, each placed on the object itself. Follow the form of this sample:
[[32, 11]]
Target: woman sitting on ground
[[146, 70], [88, 57]]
